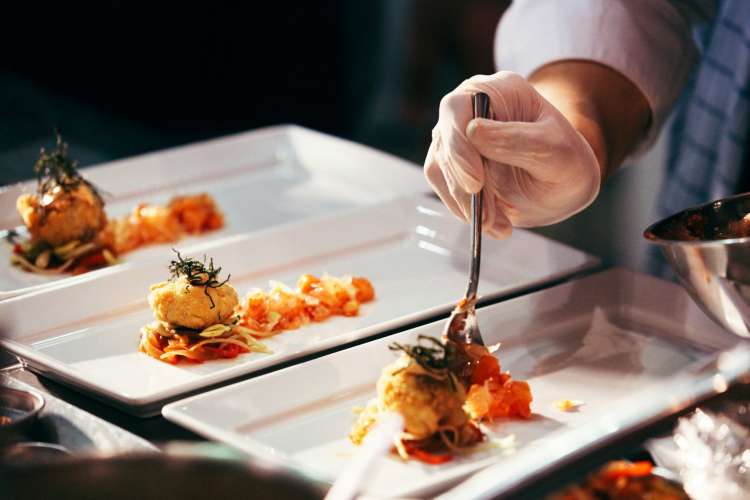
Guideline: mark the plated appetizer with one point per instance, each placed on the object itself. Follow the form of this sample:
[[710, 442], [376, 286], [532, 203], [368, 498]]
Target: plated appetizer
[[199, 316], [63, 218], [195, 316], [69, 230], [443, 390], [624, 480]]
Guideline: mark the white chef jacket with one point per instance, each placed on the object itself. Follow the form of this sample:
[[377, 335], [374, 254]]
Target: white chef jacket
[[648, 41]]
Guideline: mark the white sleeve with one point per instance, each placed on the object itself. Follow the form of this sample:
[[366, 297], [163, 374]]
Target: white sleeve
[[648, 41]]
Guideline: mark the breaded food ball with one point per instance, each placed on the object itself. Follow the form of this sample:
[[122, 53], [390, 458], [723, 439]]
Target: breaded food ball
[[184, 305], [63, 216], [368, 417], [424, 401]]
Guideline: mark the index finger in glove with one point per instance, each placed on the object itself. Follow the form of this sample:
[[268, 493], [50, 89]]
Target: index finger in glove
[[436, 178], [460, 157], [533, 147]]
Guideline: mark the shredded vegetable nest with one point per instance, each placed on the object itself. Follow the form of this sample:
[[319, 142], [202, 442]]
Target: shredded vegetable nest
[[166, 343]]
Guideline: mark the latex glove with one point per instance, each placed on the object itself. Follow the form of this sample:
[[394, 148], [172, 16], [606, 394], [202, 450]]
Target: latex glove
[[540, 170]]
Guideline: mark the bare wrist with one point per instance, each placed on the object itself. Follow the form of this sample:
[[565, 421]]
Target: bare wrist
[[600, 103]]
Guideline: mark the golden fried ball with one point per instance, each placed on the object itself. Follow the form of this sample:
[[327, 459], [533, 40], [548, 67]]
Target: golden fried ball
[[182, 304], [77, 214], [368, 417], [425, 402]]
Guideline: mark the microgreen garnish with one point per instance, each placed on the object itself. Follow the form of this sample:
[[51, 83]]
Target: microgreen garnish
[[434, 355], [197, 273], [11, 235]]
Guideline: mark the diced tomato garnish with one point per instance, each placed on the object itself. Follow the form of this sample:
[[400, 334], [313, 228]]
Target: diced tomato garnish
[[622, 468], [229, 351], [93, 260], [214, 221], [512, 399], [306, 282], [320, 313], [365, 290], [90, 262], [430, 458], [488, 367]]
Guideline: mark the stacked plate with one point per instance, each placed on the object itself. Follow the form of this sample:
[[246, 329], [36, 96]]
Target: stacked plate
[[300, 202]]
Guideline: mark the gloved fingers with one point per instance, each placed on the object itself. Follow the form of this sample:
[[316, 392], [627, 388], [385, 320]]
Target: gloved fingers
[[534, 147], [436, 179], [461, 158], [512, 98], [461, 197], [495, 223]]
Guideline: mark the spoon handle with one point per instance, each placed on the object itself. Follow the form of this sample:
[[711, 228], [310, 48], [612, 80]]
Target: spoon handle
[[481, 108]]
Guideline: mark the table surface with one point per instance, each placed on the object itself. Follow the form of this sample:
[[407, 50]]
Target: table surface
[[155, 429]]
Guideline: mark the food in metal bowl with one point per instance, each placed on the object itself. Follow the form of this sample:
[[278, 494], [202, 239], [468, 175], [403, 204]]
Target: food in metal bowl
[[708, 248], [623, 480]]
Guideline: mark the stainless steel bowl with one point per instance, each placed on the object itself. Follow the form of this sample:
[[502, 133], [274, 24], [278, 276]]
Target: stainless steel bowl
[[18, 410], [706, 249], [31, 453]]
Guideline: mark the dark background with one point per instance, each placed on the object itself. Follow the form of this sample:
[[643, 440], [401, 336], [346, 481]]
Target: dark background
[[121, 78]]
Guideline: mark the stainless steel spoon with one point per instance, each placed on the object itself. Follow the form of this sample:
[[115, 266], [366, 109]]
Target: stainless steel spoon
[[462, 325]]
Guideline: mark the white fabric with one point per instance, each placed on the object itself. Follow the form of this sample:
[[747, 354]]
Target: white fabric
[[648, 41]]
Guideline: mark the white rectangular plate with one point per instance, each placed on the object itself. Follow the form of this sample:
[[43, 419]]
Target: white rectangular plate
[[259, 179], [601, 339], [414, 252]]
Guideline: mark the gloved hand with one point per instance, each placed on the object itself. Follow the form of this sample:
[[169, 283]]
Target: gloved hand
[[540, 170]]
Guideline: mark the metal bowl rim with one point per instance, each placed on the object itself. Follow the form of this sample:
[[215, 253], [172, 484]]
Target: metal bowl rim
[[649, 234], [39, 403]]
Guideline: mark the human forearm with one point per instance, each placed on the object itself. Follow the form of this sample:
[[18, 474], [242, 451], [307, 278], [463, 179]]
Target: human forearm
[[603, 105], [649, 42]]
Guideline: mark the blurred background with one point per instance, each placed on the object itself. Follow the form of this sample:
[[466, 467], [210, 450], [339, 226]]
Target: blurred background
[[123, 78]]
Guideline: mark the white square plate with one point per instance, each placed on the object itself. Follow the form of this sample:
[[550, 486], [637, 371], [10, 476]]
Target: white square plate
[[414, 252], [602, 340], [259, 179]]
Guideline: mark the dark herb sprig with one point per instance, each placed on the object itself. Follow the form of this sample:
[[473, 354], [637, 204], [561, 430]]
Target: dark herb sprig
[[11, 236], [430, 353], [55, 169], [197, 273]]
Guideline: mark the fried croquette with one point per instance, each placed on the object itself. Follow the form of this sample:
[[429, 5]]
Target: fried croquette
[[425, 401], [62, 216], [189, 306]]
